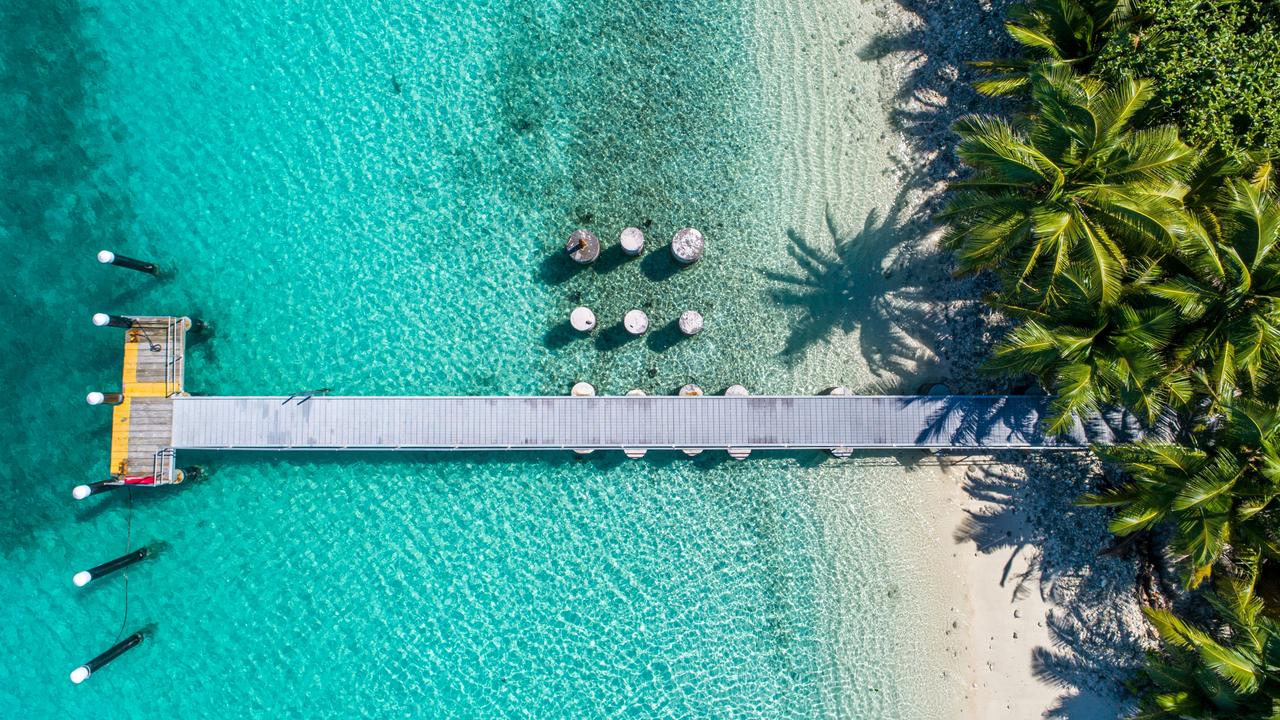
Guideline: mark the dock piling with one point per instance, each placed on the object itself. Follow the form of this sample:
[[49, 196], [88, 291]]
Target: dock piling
[[99, 398], [83, 672], [632, 241], [690, 322], [105, 320], [81, 492], [687, 245], [582, 319], [84, 577], [106, 257], [583, 246], [636, 322]]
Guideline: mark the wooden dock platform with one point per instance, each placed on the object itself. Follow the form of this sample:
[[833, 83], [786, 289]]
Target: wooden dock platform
[[157, 418], [142, 425], [614, 423]]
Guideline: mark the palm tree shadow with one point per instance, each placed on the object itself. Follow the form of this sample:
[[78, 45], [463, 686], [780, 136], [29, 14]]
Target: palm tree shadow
[[1027, 512], [851, 288], [936, 89]]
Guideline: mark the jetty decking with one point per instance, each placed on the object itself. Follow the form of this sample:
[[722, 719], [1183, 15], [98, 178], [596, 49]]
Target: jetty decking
[[598, 423], [142, 424], [156, 419]]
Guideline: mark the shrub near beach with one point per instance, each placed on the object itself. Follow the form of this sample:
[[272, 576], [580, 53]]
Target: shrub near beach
[[1217, 63], [1144, 273]]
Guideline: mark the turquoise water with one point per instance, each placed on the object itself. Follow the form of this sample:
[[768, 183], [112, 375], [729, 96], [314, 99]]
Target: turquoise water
[[369, 196]]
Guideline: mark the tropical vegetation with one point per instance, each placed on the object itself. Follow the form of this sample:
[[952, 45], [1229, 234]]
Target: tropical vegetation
[[1217, 62], [1230, 670], [1135, 234]]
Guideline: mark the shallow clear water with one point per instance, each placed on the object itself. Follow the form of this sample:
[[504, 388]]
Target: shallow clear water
[[369, 196]]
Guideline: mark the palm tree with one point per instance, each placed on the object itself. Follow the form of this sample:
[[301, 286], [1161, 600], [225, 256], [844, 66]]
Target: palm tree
[[1228, 293], [1070, 188], [1067, 31], [1222, 491], [1095, 356], [1232, 671]]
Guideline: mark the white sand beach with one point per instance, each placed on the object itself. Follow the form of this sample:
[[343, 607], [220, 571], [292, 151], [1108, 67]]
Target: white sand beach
[[1016, 615]]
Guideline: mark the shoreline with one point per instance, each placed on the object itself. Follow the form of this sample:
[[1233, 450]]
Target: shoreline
[[1017, 616], [1055, 626]]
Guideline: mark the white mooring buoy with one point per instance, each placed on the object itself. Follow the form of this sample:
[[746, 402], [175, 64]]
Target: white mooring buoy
[[81, 492], [632, 241], [690, 322], [99, 398], [636, 322], [105, 320], [84, 577], [106, 257], [582, 319], [83, 672]]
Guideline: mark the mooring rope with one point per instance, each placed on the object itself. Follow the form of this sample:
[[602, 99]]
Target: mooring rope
[[128, 541]]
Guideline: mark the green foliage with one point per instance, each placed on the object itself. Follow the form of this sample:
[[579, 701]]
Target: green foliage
[[1218, 65], [1062, 198], [1066, 31], [1146, 275], [1221, 491], [1097, 356], [1228, 294], [1230, 671], [1067, 205]]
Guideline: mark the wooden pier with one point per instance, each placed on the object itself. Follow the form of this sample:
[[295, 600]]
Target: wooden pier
[[855, 422], [142, 424], [157, 418]]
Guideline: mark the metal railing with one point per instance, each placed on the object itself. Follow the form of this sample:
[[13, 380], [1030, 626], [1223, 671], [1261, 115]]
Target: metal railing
[[172, 359]]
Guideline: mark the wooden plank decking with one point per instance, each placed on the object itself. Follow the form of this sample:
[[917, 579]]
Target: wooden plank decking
[[652, 422], [142, 425], [157, 418]]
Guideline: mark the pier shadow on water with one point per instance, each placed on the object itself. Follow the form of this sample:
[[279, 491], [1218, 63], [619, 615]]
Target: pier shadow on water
[[658, 265], [558, 268], [613, 337], [665, 337], [405, 460], [561, 335], [611, 258]]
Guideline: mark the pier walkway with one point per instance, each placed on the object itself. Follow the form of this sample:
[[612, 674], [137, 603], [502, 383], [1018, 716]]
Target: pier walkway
[[156, 418], [153, 370], [601, 423]]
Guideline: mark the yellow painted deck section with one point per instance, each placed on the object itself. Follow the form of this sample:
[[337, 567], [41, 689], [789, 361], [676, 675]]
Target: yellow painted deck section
[[152, 381]]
